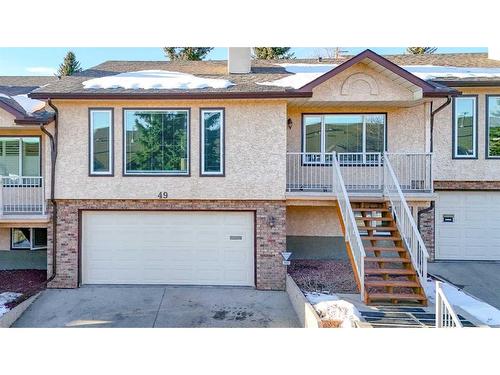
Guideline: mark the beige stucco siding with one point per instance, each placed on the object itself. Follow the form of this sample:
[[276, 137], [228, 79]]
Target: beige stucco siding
[[312, 221], [6, 119], [447, 168], [406, 126], [255, 152], [4, 239]]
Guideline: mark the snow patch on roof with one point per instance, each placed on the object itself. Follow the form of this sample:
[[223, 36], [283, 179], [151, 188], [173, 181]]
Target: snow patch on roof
[[28, 104], [302, 74], [479, 309], [429, 72], [155, 79]]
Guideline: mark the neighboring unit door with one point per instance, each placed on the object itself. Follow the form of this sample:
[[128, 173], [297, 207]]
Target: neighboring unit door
[[167, 247], [468, 225]]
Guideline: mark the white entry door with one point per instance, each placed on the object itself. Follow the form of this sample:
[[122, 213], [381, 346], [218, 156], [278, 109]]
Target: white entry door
[[168, 247], [468, 225]]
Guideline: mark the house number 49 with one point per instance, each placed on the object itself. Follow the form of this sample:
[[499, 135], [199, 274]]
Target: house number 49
[[163, 195]]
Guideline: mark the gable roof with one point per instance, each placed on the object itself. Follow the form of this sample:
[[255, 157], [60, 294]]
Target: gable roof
[[13, 94], [251, 85]]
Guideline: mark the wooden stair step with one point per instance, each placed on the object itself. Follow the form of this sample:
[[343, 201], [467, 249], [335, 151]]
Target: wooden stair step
[[381, 238], [392, 283], [376, 218], [380, 229], [371, 209], [379, 248], [389, 271], [396, 296], [387, 260]]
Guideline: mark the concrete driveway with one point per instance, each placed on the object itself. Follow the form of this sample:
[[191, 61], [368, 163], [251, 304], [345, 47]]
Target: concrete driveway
[[478, 278], [159, 306]]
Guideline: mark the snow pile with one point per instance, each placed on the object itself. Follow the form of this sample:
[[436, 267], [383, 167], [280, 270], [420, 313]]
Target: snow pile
[[5, 298], [427, 72], [155, 79], [28, 104], [479, 309], [302, 74], [331, 307]]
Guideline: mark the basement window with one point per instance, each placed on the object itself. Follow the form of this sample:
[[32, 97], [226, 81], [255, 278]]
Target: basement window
[[28, 238]]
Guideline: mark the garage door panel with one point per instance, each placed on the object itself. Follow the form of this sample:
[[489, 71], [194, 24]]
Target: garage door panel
[[169, 247], [475, 230]]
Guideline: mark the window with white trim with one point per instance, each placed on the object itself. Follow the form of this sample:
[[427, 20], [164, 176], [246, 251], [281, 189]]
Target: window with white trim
[[20, 156], [101, 142], [343, 133], [493, 127], [28, 238], [212, 142], [465, 127]]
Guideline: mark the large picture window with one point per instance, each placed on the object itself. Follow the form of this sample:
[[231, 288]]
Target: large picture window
[[20, 156], [156, 142], [343, 133], [101, 142], [465, 127], [493, 127], [212, 142]]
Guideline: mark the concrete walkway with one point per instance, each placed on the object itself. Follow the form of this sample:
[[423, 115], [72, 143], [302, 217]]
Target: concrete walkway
[[159, 306], [23, 260], [478, 278]]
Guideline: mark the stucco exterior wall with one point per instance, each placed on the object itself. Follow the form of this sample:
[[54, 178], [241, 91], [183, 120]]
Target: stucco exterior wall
[[255, 154], [312, 221], [6, 119], [4, 239], [406, 126], [447, 168]]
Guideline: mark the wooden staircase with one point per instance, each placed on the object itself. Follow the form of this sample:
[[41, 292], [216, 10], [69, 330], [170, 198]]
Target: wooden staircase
[[390, 277]]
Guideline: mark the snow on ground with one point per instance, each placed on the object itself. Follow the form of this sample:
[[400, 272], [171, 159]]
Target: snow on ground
[[477, 308], [331, 307], [305, 73], [5, 298], [155, 79], [28, 104]]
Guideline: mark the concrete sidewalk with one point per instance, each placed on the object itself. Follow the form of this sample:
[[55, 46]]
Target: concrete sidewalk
[[159, 306]]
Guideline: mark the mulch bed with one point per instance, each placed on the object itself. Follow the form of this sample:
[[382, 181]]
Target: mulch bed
[[330, 276], [27, 282]]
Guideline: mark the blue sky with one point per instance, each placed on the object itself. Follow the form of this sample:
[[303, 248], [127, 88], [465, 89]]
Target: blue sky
[[44, 61]]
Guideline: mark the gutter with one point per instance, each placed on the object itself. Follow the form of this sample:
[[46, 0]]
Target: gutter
[[433, 113], [53, 158]]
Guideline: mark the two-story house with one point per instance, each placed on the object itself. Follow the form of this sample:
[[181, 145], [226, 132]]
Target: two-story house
[[204, 172]]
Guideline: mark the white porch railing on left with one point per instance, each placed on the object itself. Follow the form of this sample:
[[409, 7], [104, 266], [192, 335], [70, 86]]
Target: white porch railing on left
[[445, 315], [309, 172], [351, 229], [405, 222], [22, 195]]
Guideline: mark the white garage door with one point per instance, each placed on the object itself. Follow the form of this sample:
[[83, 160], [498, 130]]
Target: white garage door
[[139, 247], [468, 225]]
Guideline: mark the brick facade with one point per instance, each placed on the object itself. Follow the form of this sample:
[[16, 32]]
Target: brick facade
[[426, 226], [467, 185], [270, 240]]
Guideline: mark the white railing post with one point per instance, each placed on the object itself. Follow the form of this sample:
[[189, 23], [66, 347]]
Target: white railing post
[[446, 316], [1, 196]]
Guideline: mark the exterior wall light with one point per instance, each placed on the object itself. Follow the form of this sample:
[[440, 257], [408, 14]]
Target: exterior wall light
[[289, 123]]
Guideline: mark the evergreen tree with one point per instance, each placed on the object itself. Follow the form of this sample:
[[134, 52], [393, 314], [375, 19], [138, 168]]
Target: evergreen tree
[[186, 53], [273, 53], [69, 66], [421, 50]]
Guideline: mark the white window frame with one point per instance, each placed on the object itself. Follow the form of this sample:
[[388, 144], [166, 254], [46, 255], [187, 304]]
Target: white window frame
[[488, 97], [31, 241], [21, 150], [109, 172], [157, 173], [221, 143], [474, 128], [323, 136]]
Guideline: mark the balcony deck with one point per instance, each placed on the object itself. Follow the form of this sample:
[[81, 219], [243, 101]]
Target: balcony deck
[[22, 199]]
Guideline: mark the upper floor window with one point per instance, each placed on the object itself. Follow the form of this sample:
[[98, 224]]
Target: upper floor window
[[101, 142], [156, 142], [212, 142], [343, 133], [493, 127], [20, 156], [465, 127]]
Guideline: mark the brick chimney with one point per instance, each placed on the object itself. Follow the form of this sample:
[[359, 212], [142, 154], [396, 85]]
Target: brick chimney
[[239, 60]]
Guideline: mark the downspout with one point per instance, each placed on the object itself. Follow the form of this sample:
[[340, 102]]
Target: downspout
[[53, 158]]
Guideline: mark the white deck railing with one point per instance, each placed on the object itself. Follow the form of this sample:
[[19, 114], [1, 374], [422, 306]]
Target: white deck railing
[[351, 229], [413, 171], [405, 222], [20, 195], [362, 172], [309, 172], [445, 315]]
